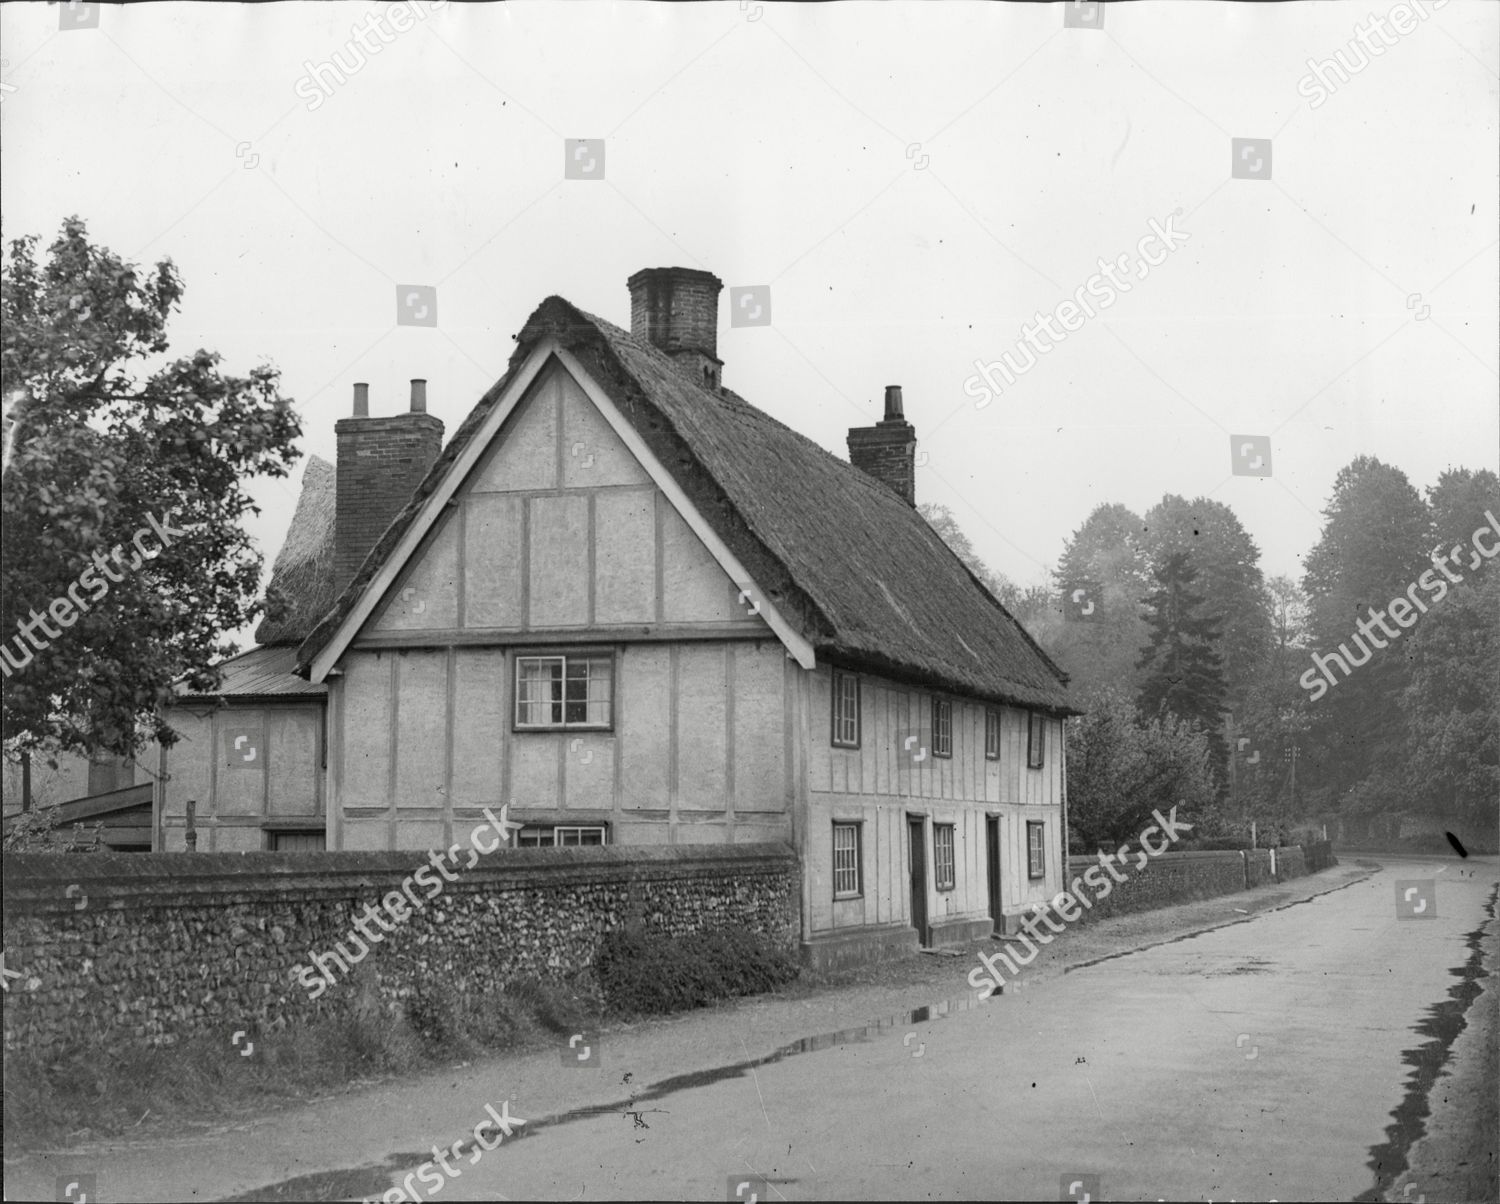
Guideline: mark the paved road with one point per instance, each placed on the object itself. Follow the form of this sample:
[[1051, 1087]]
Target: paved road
[[1262, 1060]]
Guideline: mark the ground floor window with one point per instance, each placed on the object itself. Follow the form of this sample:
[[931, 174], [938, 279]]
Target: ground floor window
[[1036, 858], [846, 867], [296, 842], [546, 836], [942, 855]]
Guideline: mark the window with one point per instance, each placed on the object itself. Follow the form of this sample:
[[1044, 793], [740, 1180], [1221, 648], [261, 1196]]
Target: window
[[942, 854], [991, 734], [845, 709], [296, 842], [846, 867], [942, 727], [1036, 855], [547, 836], [1036, 740], [564, 691]]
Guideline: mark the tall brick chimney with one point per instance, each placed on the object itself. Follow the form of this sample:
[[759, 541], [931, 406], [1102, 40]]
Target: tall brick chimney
[[888, 450], [381, 461], [677, 309]]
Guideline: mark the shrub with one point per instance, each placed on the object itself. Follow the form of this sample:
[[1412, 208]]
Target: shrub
[[643, 972]]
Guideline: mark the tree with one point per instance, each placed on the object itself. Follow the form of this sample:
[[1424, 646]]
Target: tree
[[1453, 699], [1273, 716], [1229, 577], [1122, 764], [1376, 537], [1184, 673], [100, 451], [1107, 553]]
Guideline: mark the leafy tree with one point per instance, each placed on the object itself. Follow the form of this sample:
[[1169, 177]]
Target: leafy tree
[[1453, 699], [1107, 553], [1184, 673], [1229, 576], [99, 447], [1375, 541], [1273, 715], [1122, 764]]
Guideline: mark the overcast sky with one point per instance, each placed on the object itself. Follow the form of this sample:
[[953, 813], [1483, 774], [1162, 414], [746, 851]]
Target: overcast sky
[[913, 181]]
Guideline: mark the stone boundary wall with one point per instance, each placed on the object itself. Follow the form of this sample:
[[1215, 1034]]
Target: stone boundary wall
[[1185, 877], [118, 947]]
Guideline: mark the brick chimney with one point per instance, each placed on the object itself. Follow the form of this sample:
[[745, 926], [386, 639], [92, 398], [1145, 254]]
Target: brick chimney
[[677, 309], [381, 461], [887, 450]]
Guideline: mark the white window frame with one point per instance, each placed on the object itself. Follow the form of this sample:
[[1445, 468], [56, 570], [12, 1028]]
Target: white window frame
[[553, 832], [942, 727], [522, 702], [842, 718], [1036, 740], [1036, 849], [944, 859], [852, 860]]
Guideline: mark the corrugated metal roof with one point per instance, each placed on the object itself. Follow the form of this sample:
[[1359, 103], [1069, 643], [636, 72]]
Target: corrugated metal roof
[[262, 672]]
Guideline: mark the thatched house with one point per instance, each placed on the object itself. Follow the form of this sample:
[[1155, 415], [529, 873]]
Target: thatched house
[[639, 610]]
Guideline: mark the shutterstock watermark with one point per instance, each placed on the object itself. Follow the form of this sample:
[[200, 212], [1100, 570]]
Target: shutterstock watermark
[[427, 1174], [318, 977], [987, 980], [1403, 609], [1318, 84], [65, 611], [314, 87], [984, 385]]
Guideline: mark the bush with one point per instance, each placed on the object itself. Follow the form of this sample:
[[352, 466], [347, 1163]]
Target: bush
[[644, 972]]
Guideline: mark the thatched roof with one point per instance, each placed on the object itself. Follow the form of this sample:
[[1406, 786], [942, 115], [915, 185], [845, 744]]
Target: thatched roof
[[858, 571], [303, 572]]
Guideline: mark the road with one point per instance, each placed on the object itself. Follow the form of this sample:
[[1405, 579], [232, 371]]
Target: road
[[1283, 1056], [1262, 1060]]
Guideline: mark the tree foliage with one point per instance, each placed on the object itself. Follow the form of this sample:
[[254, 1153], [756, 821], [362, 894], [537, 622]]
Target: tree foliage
[[1227, 562], [1183, 672], [1376, 537], [1107, 552], [106, 433], [1122, 764]]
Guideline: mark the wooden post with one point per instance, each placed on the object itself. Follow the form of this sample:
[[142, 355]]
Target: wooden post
[[25, 781]]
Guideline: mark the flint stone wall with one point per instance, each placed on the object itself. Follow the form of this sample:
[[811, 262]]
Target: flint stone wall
[[151, 949]]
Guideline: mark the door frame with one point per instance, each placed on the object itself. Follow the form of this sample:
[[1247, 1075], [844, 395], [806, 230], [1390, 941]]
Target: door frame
[[916, 868], [992, 867]]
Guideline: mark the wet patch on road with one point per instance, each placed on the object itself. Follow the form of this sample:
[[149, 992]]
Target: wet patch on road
[[1442, 1026], [369, 1181]]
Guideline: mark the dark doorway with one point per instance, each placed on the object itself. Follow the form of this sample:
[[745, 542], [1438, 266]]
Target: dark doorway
[[916, 830], [992, 857]]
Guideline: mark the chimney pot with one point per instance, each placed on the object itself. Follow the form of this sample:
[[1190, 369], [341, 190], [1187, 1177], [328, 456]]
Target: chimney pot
[[418, 396], [361, 400], [887, 451]]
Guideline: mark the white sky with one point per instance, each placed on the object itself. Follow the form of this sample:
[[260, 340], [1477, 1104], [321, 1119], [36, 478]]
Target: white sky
[[772, 144]]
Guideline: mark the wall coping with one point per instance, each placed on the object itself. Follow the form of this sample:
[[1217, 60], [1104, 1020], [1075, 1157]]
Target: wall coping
[[39, 882]]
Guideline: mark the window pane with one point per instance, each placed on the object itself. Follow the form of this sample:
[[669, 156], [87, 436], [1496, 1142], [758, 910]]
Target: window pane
[[845, 709], [845, 859], [539, 690], [600, 690]]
